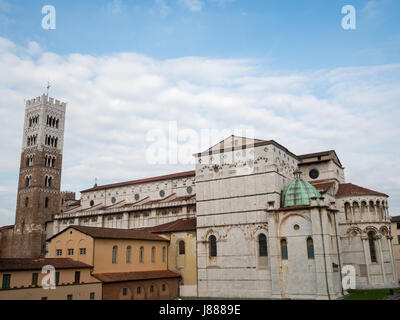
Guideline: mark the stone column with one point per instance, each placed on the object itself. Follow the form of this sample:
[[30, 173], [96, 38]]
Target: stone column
[[352, 214], [364, 239], [76, 221], [379, 237], [100, 221], [125, 220], [184, 212], [369, 212]]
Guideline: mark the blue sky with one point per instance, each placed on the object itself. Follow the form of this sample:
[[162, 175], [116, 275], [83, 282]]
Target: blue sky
[[285, 68], [288, 34]]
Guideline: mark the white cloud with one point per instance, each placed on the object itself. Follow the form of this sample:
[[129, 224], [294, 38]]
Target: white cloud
[[193, 5], [115, 100]]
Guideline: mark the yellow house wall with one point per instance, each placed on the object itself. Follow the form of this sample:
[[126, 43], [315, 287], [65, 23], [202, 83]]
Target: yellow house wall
[[72, 239], [79, 292], [185, 265], [103, 255], [67, 276]]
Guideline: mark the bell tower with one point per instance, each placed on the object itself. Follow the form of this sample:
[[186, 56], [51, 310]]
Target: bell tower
[[39, 182]]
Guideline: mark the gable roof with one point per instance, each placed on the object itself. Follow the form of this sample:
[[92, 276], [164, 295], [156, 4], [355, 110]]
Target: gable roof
[[109, 233], [349, 189], [318, 155], [228, 144], [132, 276], [128, 183], [15, 264]]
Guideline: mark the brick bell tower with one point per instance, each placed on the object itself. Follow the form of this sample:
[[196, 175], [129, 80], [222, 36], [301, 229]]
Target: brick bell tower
[[39, 183]]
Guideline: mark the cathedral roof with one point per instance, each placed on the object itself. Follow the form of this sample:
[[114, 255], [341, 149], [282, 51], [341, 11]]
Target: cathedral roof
[[349, 189], [127, 183], [395, 219], [299, 193]]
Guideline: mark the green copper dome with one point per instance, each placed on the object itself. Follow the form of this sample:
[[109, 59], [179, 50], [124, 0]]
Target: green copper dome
[[298, 193]]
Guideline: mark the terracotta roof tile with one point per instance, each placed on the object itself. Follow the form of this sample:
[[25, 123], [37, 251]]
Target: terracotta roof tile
[[165, 177], [349, 189], [175, 226], [109, 233], [37, 264], [132, 276]]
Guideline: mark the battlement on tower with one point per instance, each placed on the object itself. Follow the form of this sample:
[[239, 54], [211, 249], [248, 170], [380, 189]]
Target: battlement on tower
[[45, 99]]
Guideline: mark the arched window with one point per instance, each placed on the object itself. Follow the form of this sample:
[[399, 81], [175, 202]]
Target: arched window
[[213, 246], [262, 245], [128, 254], [141, 254], [53, 162], [163, 254], [46, 202], [26, 202], [153, 254], [284, 249], [181, 247], [114, 254], [371, 241], [310, 248]]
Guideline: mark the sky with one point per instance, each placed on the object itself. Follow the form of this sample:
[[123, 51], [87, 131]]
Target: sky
[[132, 69]]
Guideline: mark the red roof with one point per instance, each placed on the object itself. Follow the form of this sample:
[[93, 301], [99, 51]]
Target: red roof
[[37, 264], [132, 276], [395, 219], [109, 233], [175, 226], [122, 184], [349, 189], [6, 227]]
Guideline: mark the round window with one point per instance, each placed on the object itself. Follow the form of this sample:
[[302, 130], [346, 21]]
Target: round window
[[189, 190], [296, 227], [92, 203], [314, 174], [137, 197], [113, 200], [162, 193]]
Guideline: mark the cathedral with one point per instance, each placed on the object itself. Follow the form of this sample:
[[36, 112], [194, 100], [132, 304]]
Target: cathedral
[[252, 220]]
